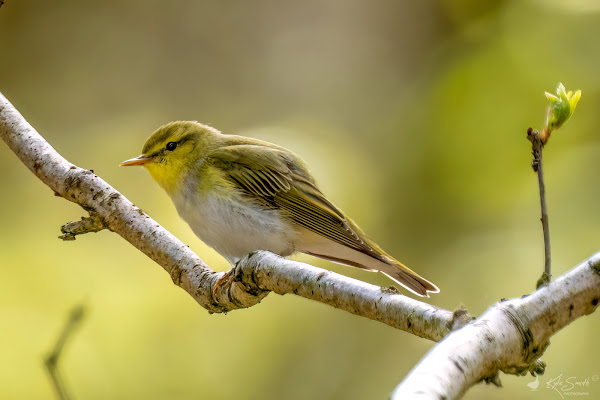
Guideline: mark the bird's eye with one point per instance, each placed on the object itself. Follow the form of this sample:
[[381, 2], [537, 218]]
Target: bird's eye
[[171, 146]]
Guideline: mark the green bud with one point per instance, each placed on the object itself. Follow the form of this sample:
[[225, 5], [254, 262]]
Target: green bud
[[561, 107]]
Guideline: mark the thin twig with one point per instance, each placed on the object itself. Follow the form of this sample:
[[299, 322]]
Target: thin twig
[[51, 361], [544, 218], [537, 146]]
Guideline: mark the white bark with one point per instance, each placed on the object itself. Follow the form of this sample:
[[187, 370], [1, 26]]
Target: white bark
[[509, 337], [253, 277]]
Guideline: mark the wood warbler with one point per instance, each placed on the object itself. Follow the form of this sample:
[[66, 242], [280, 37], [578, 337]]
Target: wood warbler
[[240, 195]]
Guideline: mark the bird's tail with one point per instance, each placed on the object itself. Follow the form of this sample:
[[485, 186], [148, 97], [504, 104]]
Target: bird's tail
[[371, 258]]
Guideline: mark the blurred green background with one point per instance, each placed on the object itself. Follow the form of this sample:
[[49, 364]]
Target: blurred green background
[[412, 115]]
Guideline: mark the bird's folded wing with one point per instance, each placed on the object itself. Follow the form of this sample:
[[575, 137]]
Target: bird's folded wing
[[279, 179]]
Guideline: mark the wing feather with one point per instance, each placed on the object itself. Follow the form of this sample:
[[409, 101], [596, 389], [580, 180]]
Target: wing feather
[[272, 177]]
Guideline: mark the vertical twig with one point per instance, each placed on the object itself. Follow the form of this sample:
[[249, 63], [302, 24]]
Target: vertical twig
[[537, 145], [544, 218], [51, 361]]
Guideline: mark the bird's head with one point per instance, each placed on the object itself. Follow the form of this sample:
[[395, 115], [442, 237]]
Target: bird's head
[[174, 150]]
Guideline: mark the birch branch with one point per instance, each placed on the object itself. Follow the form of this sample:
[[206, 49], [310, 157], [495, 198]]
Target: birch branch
[[253, 277], [509, 337]]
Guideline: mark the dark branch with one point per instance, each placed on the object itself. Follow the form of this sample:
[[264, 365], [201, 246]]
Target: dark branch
[[52, 360]]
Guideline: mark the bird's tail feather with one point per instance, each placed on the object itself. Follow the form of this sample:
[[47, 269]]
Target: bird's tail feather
[[377, 260]]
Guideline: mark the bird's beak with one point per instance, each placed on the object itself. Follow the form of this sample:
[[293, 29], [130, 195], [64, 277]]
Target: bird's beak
[[139, 160]]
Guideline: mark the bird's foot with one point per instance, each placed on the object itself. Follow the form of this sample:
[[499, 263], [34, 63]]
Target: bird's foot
[[225, 281]]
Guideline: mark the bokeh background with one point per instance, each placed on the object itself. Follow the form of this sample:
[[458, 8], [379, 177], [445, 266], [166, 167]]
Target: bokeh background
[[411, 114]]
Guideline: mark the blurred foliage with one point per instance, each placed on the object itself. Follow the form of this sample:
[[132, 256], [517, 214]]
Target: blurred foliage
[[412, 115]]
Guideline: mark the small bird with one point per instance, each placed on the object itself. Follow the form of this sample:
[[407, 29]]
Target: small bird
[[240, 195]]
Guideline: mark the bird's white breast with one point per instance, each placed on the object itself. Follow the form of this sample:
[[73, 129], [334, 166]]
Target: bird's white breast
[[235, 228]]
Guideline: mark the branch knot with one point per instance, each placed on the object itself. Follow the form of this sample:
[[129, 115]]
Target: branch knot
[[93, 223]]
